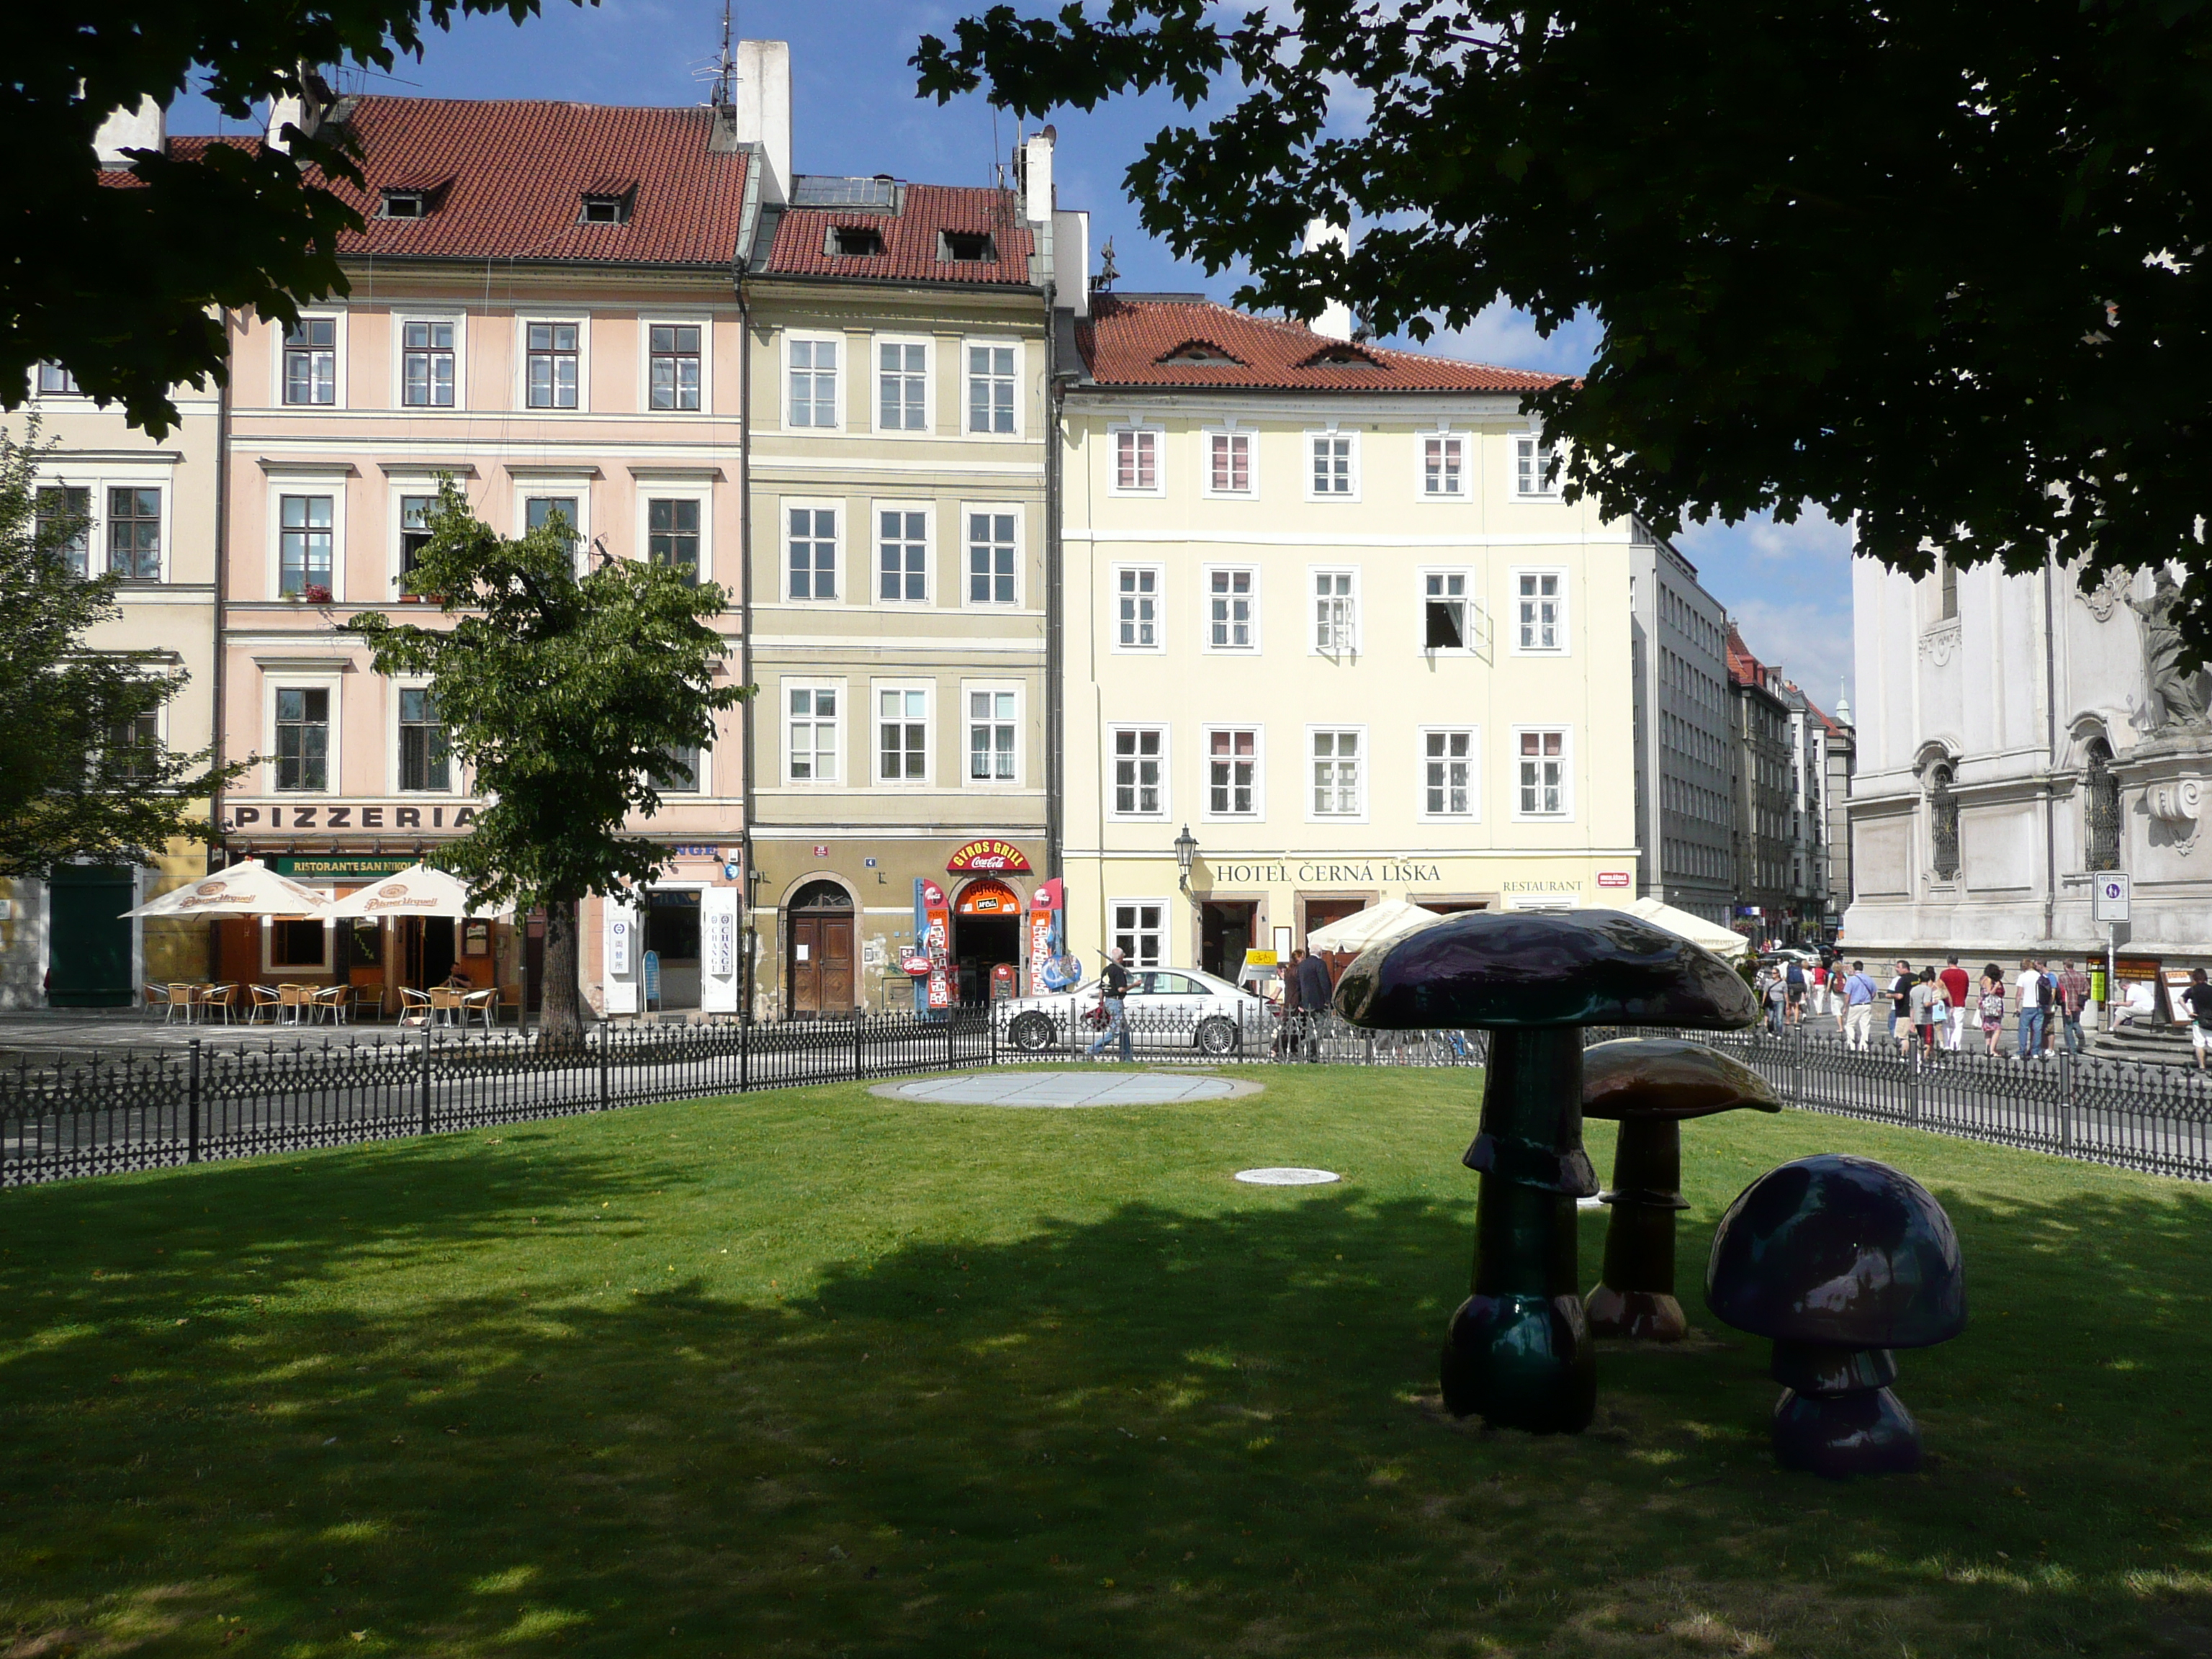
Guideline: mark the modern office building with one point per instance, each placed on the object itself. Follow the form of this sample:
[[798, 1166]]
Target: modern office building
[[1331, 626], [1684, 812]]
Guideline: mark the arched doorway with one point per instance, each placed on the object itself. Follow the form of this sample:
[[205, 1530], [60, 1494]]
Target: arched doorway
[[986, 930], [818, 950]]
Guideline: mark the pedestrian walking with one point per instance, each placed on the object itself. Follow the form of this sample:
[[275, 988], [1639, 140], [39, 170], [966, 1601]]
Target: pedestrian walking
[[1819, 992], [1793, 980], [1291, 1038], [2198, 1001], [2073, 998], [2030, 987], [1858, 1007], [1315, 991], [1955, 988], [1113, 993], [1776, 995], [1993, 1005], [1925, 999], [1900, 1006]]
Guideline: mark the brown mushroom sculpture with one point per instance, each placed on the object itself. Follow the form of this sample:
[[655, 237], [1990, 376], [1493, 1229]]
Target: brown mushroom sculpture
[[1650, 1086]]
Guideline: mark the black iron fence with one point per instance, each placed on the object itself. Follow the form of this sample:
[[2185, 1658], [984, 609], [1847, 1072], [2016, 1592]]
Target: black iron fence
[[149, 1107]]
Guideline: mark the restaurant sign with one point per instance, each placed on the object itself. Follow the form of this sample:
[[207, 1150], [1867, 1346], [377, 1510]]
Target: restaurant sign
[[351, 815], [330, 867], [988, 856]]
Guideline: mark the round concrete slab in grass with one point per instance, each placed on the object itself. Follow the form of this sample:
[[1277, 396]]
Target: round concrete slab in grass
[[1096, 1087], [1287, 1175]]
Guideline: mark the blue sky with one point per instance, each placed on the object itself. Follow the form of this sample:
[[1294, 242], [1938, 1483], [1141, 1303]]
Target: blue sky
[[854, 110]]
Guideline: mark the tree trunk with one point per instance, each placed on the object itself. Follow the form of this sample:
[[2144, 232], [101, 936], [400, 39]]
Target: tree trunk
[[561, 1003]]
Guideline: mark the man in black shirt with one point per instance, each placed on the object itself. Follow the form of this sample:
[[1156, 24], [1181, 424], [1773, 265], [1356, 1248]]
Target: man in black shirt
[[2197, 999], [1900, 1006], [1113, 992]]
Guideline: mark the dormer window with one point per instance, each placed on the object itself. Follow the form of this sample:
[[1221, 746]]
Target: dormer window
[[605, 210], [406, 204], [856, 241], [966, 247], [1198, 351], [1340, 355]]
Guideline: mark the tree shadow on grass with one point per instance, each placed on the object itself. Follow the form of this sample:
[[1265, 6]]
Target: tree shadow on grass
[[397, 1408]]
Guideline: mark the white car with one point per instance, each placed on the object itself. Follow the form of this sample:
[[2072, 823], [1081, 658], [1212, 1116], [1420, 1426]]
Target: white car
[[1178, 1007]]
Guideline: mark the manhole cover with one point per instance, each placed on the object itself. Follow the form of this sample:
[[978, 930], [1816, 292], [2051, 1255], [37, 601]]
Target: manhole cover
[[1288, 1177]]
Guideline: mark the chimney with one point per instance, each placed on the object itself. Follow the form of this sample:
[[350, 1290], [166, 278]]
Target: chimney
[[304, 110], [144, 128], [1335, 322], [763, 111], [1037, 177]]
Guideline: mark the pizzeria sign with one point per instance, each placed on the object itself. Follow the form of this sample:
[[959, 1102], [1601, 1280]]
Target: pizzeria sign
[[988, 856]]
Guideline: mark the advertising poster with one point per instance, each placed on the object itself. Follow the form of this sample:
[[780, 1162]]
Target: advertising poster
[[933, 931], [1045, 906]]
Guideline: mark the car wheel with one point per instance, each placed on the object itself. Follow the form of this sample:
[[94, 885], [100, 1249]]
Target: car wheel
[[1030, 1032], [1216, 1037]]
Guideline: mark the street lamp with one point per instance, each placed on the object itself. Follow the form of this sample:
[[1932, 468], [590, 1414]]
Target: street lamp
[[1186, 852]]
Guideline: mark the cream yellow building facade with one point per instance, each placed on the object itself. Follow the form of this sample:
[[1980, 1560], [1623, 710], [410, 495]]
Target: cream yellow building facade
[[1326, 611]]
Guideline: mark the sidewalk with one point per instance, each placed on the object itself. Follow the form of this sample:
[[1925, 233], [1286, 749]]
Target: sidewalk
[[43, 1033]]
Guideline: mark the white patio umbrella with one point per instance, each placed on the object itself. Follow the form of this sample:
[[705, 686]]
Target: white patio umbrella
[[247, 889], [1723, 942], [1377, 923], [417, 890]]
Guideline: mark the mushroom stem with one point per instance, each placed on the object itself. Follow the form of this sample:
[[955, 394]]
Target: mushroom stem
[[1836, 1415], [1519, 1350], [1635, 1297]]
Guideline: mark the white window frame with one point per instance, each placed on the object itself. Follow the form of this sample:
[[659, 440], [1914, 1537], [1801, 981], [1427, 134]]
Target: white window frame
[[398, 486], [1513, 576], [1166, 912], [1567, 812], [902, 688], [1474, 736], [271, 968], [1167, 773], [32, 387], [1308, 600], [1021, 555], [96, 483], [844, 344], [582, 319], [549, 485], [929, 552], [1114, 610], [1366, 758], [392, 691], [1470, 603], [1514, 451], [459, 320], [703, 782], [1136, 430], [843, 746], [650, 490], [319, 481], [1205, 644], [1021, 388], [1443, 435], [272, 682], [838, 507], [701, 320], [1259, 813], [1332, 430], [276, 327], [928, 344], [1228, 429], [994, 688]]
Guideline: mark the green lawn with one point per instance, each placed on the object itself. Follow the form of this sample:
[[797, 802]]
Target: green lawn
[[823, 1373]]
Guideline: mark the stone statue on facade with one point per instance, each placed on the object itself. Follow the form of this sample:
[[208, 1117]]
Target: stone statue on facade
[[2180, 691]]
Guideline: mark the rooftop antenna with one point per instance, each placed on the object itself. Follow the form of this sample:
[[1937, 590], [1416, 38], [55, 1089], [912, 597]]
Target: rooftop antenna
[[725, 68], [1106, 274]]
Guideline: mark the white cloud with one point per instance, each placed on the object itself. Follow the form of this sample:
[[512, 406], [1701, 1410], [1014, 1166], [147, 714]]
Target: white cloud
[[1505, 336]]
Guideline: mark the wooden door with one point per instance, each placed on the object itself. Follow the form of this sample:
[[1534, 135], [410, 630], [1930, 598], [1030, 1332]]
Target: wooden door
[[835, 980], [805, 969]]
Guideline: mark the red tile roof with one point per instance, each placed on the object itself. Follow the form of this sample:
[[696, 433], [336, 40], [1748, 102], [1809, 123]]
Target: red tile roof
[[514, 174], [910, 238], [1131, 340]]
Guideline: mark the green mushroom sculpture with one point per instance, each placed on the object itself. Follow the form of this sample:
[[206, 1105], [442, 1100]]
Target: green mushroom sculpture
[[1519, 1351], [1651, 1087]]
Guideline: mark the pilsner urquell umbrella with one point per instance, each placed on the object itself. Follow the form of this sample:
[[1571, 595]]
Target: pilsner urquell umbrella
[[247, 889]]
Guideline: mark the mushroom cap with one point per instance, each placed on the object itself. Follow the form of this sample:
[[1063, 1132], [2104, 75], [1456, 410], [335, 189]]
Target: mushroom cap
[[1667, 1078], [1840, 1251], [1533, 969]]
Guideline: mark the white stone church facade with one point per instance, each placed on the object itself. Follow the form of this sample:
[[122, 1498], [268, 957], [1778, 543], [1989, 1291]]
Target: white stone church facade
[[2016, 735]]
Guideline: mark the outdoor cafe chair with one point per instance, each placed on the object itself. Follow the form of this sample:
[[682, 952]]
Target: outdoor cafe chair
[[295, 1003], [222, 998], [334, 1000], [180, 1000], [483, 1003], [262, 999], [414, 1003], [157, 996], [445, 1006]]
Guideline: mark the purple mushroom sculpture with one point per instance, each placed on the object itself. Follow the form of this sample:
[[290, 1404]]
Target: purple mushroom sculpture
[[1651, 1087], [1519, 1351], [1840, 1260]]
